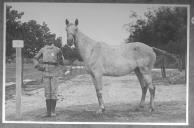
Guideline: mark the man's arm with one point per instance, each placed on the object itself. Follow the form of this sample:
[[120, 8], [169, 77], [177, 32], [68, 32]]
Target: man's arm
[[36, 58], [36, 61]]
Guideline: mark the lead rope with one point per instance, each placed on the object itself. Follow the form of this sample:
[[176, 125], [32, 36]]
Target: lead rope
[[69, 70]]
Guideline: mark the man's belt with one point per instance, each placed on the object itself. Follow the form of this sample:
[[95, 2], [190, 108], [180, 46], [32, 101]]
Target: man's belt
[[50, 63]]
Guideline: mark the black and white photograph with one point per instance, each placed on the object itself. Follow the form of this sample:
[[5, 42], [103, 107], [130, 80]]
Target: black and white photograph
[[96, 63]]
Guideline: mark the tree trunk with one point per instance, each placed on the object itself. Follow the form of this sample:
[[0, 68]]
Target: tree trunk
[[163, 69]]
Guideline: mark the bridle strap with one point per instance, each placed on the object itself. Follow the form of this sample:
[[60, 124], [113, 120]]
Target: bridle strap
[[74, 38]]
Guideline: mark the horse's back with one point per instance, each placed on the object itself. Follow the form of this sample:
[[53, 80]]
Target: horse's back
[[142, 53], [121, 59], [136, 51], [139, 46]]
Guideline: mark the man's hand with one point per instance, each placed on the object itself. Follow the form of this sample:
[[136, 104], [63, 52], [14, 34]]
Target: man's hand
[[39, 67]]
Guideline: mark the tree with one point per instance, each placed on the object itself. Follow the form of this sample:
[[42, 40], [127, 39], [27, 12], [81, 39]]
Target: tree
[[13, 28], [71, 54], [34, 35], [58, 42], [164, 28]]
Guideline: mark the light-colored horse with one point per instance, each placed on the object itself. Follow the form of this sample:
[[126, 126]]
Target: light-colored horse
[[102, 59]]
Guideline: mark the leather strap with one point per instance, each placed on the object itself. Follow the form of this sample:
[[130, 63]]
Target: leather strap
[[50, 63]]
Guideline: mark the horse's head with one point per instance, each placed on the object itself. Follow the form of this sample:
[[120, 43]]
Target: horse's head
[[71, 29]]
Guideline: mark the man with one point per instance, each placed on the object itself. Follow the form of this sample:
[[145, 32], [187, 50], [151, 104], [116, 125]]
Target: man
[[52, 57]]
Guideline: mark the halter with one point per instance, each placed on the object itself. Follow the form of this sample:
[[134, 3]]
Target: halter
[[74, 38]]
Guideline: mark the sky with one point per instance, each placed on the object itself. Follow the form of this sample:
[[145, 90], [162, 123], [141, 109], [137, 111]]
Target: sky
[[101, 22]]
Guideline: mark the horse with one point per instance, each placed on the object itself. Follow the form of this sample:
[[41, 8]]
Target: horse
[[101, 59]]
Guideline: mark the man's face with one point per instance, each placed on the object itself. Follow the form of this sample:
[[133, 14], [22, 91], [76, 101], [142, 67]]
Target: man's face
[[49, 42]]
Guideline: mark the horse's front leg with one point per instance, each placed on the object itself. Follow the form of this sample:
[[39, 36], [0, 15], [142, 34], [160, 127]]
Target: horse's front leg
[[97, 80]]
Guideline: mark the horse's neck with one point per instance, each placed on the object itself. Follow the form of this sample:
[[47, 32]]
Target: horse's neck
[[85, 45]]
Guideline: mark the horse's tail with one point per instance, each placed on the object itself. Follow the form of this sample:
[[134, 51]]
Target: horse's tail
[[163, 52], [157, 50]]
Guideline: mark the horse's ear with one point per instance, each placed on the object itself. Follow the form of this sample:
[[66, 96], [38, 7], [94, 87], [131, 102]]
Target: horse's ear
[[76, 22], [67, 22]]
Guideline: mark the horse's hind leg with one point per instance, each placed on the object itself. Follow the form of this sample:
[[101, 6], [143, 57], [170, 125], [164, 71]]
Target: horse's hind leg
[[97, 80], [148, 81], [143, 86]]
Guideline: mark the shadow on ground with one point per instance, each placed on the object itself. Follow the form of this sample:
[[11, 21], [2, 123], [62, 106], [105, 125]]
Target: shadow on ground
[[164, 112]]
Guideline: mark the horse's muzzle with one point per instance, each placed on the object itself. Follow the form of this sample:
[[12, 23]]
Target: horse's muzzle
[[70, 40]]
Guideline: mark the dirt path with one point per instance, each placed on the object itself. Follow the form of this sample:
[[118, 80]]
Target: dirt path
[[78, 102]]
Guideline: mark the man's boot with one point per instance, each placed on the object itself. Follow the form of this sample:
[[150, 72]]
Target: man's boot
[[48, 108], [53, 105]]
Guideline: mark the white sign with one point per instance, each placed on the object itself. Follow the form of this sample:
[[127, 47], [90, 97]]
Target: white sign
[[18, 43], [192, 20]]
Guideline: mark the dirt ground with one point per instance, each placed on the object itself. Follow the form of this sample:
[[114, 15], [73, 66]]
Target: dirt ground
[[78, 102]]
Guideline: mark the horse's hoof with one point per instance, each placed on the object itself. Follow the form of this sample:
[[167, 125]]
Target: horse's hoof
[[141, 106], [100, 111], [46, 115], [53, 114], [151, 109]]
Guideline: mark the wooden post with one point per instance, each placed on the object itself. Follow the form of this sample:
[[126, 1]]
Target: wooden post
[[18, 44]]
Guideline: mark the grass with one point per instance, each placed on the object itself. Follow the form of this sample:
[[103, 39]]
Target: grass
[[29, 72], [174, 77]]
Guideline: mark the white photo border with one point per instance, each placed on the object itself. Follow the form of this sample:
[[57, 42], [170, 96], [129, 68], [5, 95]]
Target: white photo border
[[104, 123]]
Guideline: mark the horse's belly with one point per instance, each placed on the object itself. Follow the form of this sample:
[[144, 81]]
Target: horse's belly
[[119, 67]]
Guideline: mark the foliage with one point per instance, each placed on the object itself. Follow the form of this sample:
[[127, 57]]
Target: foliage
[[13, 28], [164, 28], [34, 35], [71, 53], [58, 42]]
